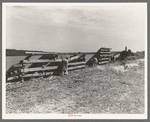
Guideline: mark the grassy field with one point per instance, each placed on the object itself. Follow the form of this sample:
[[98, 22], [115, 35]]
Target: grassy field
[[103, 89]]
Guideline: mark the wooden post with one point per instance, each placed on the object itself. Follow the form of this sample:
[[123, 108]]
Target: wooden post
[[43, 73], [22, 73], [22, 78], [126, 48], [64, 67]]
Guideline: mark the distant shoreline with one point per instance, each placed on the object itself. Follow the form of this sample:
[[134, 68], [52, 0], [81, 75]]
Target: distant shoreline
[[14, 52]]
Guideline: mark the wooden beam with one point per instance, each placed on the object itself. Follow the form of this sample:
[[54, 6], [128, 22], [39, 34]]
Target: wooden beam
[[105, 49], [47, 60], [51, 72], [76, 67], [105, 62], [25, 70], [73, 58], [17, 65], [77, 63], [12, 78], [12, 75], [36, 75], [105, 59], [105, 52], [40, 61], [40, 53], [105, 55]]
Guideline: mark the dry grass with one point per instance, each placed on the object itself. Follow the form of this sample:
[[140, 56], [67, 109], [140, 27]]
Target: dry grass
[[104, 89]]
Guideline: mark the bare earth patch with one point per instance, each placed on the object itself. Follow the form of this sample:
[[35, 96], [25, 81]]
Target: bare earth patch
[[104, 89]]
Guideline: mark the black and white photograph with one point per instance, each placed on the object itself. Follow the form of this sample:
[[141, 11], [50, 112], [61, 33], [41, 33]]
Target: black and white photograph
[[74, 60]]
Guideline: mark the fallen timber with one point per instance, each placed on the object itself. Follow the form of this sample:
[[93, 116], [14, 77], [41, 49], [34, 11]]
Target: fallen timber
[[40, 61], [39, 53], [50, 73], [43, 65], [46, 64], [25, 70]]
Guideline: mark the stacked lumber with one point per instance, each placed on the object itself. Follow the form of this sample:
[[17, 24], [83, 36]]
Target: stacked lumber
[[103, 56]]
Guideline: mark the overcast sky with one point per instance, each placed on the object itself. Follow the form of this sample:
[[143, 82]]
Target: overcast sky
[[76, 28]]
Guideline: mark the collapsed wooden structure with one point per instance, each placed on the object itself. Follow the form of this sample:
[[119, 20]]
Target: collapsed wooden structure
[[103, 55], [38, 64], [42, 64]]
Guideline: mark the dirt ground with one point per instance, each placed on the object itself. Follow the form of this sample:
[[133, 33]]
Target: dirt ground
[[104, 89]]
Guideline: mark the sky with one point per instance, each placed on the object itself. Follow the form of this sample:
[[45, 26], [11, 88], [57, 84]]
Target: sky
[[76, 28]]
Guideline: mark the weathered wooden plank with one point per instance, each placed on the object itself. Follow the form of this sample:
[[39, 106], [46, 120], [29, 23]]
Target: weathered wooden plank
[[41, 74], [40, 53], [47, 60], [76, 67], [78, 60], [105, 49], [40, 61], [105, 52], [17, 65], [104, 62], [25, 70], [105, 55], [36, 75], [77, 63], [103, 59], [12, 78], [11, 75], [73, 58], [51, 72]]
